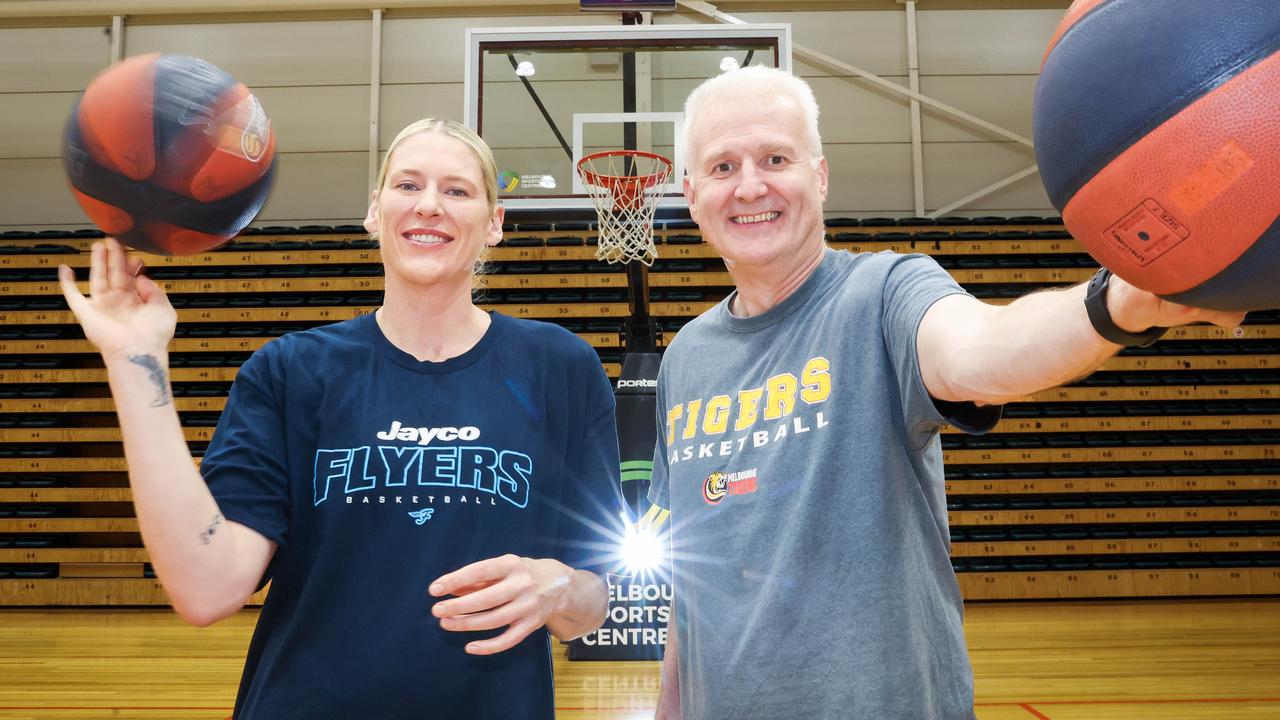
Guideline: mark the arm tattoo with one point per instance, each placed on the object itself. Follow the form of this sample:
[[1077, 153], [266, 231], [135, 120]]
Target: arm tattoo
[[206, 536], [157, 375]]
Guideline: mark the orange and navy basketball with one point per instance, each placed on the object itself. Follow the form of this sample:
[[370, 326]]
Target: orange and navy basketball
[[1157, 131], [169, 154]]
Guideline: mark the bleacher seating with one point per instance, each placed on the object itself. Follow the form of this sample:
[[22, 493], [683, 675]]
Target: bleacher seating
[[1157, 475]]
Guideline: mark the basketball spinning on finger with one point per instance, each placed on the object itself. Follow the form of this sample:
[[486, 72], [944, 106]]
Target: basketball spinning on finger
[[169, 154], [1157, 137]]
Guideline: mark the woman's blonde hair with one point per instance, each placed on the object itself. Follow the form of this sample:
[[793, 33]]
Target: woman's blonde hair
[[457, 131]]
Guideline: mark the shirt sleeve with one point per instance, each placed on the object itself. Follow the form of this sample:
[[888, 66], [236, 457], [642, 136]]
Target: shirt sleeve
[[245, 465], [588, 535], [660, 481], [913, 285]]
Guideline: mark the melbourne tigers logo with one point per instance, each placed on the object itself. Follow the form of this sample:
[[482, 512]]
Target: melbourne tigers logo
[[715, 487], [719, 484]]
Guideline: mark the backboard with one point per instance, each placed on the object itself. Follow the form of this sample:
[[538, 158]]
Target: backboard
[[544, 97]]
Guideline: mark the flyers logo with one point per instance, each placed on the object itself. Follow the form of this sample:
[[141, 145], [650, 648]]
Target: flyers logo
[[715, 487]]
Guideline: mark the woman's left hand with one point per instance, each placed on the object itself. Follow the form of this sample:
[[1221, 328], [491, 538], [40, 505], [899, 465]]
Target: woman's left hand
[[521, 594]]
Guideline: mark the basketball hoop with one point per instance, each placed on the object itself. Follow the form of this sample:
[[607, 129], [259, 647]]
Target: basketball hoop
[[624, 186]]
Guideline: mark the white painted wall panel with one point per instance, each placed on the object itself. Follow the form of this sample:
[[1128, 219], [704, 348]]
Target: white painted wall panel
[[309, 188], [34, 194], [317, 187], [1004, 100], [334, 52], [422, 50], [404, 104], [31, 123], [42, 59], [854, 111], [318, 119], [958, 169], [984, 42], [869, 179]]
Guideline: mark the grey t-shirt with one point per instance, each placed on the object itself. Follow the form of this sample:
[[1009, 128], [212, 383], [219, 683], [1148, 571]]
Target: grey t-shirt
[[798, 452]]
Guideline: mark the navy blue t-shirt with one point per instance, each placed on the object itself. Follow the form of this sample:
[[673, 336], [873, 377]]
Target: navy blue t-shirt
[[375, 473]]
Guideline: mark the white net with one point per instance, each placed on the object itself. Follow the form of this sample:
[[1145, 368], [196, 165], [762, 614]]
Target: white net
[[625, 187]]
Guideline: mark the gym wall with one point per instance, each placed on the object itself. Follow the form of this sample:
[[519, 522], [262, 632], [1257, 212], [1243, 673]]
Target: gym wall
[[313, 75]]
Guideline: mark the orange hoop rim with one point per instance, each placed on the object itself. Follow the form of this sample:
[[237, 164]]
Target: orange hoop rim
[[591, 177]]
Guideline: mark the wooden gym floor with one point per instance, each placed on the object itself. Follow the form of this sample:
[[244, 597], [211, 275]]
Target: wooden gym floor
[[1167, 659]]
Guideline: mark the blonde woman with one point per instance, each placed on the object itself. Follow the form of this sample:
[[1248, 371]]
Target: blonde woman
[[421, 485]]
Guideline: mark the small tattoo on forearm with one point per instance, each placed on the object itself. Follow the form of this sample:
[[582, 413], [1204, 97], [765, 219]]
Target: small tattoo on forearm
[[157, 375], [206, 537]]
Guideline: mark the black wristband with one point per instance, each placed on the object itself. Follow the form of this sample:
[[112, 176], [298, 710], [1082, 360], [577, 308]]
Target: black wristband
[[1095, 303]]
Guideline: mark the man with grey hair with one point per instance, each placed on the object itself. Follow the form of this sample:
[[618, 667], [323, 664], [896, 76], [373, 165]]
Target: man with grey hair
[[798, 444]]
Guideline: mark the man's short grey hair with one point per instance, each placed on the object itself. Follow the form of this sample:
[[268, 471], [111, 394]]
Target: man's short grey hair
[[752, 85]]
